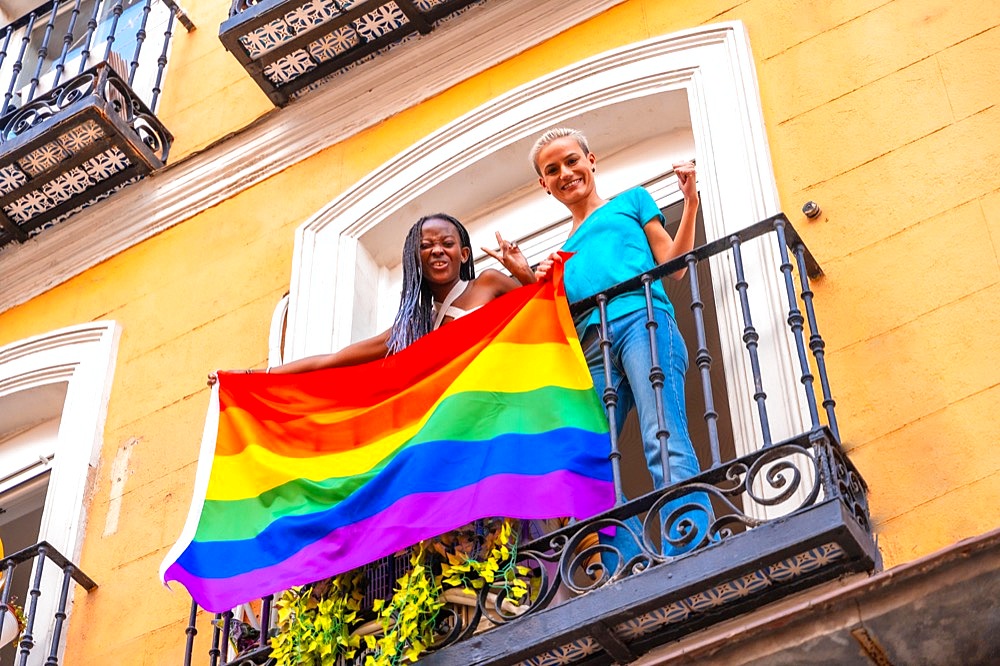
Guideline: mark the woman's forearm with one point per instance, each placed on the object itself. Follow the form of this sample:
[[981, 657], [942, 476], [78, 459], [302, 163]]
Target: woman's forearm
[[363, 351]]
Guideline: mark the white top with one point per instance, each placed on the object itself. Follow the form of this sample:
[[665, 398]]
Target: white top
[[446, 309]]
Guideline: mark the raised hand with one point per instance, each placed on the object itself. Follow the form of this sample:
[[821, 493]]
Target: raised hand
[[686, 177], [512, 259]]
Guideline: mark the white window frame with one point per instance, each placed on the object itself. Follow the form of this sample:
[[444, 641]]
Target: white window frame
[[713, 65], [84, 358]]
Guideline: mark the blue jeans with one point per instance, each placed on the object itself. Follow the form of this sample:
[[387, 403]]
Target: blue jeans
[[631, 360]]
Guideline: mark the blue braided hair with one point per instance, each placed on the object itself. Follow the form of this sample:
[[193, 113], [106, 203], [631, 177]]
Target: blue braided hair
[[415, 316]]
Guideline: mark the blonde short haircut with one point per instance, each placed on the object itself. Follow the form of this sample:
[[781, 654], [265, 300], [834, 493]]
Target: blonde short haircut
[[552, 135]]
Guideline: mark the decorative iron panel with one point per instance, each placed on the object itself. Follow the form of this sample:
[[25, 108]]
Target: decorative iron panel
[[290, 46], [730, 568], [72, 147]]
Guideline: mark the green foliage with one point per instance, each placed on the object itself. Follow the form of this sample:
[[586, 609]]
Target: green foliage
[[317, 623], [497, 570], [409, 619]]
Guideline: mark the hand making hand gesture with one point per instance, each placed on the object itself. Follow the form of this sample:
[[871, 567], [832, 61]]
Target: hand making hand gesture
[[511, 257]]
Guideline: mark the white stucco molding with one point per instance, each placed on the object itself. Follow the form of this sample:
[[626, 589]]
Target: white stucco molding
[[704, 62], [360, 98], [82, 357]]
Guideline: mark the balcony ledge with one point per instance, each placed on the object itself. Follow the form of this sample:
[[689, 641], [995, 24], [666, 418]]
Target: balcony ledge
[[940, 608], [625, 619], [291, 46], [71, 148]]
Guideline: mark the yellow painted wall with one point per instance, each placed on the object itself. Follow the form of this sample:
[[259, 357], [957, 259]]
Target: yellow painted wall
[[207, 94], [886, 116], [886, 113]]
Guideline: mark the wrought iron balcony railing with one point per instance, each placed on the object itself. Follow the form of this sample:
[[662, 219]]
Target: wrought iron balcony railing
[[780, 516], [80, 81], [36, 623], [289, 46]]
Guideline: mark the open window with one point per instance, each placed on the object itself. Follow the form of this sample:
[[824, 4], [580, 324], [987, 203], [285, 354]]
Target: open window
[[29, 431]]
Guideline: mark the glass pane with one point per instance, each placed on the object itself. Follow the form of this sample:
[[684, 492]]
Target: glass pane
[[56, 42]]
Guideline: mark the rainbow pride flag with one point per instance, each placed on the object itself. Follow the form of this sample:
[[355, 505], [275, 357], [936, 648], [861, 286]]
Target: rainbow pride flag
[[305, 476]]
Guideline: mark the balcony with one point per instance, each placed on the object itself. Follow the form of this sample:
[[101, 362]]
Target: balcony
[[80, 82], [42, 595], [786, 515], [290, 46]]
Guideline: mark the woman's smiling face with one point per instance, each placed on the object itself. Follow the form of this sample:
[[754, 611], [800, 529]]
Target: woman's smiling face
[[441, 251], [567, 171]]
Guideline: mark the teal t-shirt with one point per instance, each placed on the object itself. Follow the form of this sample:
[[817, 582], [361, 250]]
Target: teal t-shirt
[[611, 247]]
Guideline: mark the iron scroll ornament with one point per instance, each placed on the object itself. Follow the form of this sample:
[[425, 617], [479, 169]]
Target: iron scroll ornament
[[576, 561], [102, 82], [44, 107]]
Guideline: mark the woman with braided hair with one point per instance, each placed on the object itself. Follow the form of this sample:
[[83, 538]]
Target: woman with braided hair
[[439, 285], [432, 293]]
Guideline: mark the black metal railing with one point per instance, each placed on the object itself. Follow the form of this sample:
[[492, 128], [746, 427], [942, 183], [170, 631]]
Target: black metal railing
[[806, 473], [61, 39], [37, 556], [787, 240], [231, 632], [80, 81], [756, 524]]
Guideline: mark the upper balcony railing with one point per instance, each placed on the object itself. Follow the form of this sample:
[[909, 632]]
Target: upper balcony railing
[[79, 84], [764, 519], [35, 623], [290, 46]]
